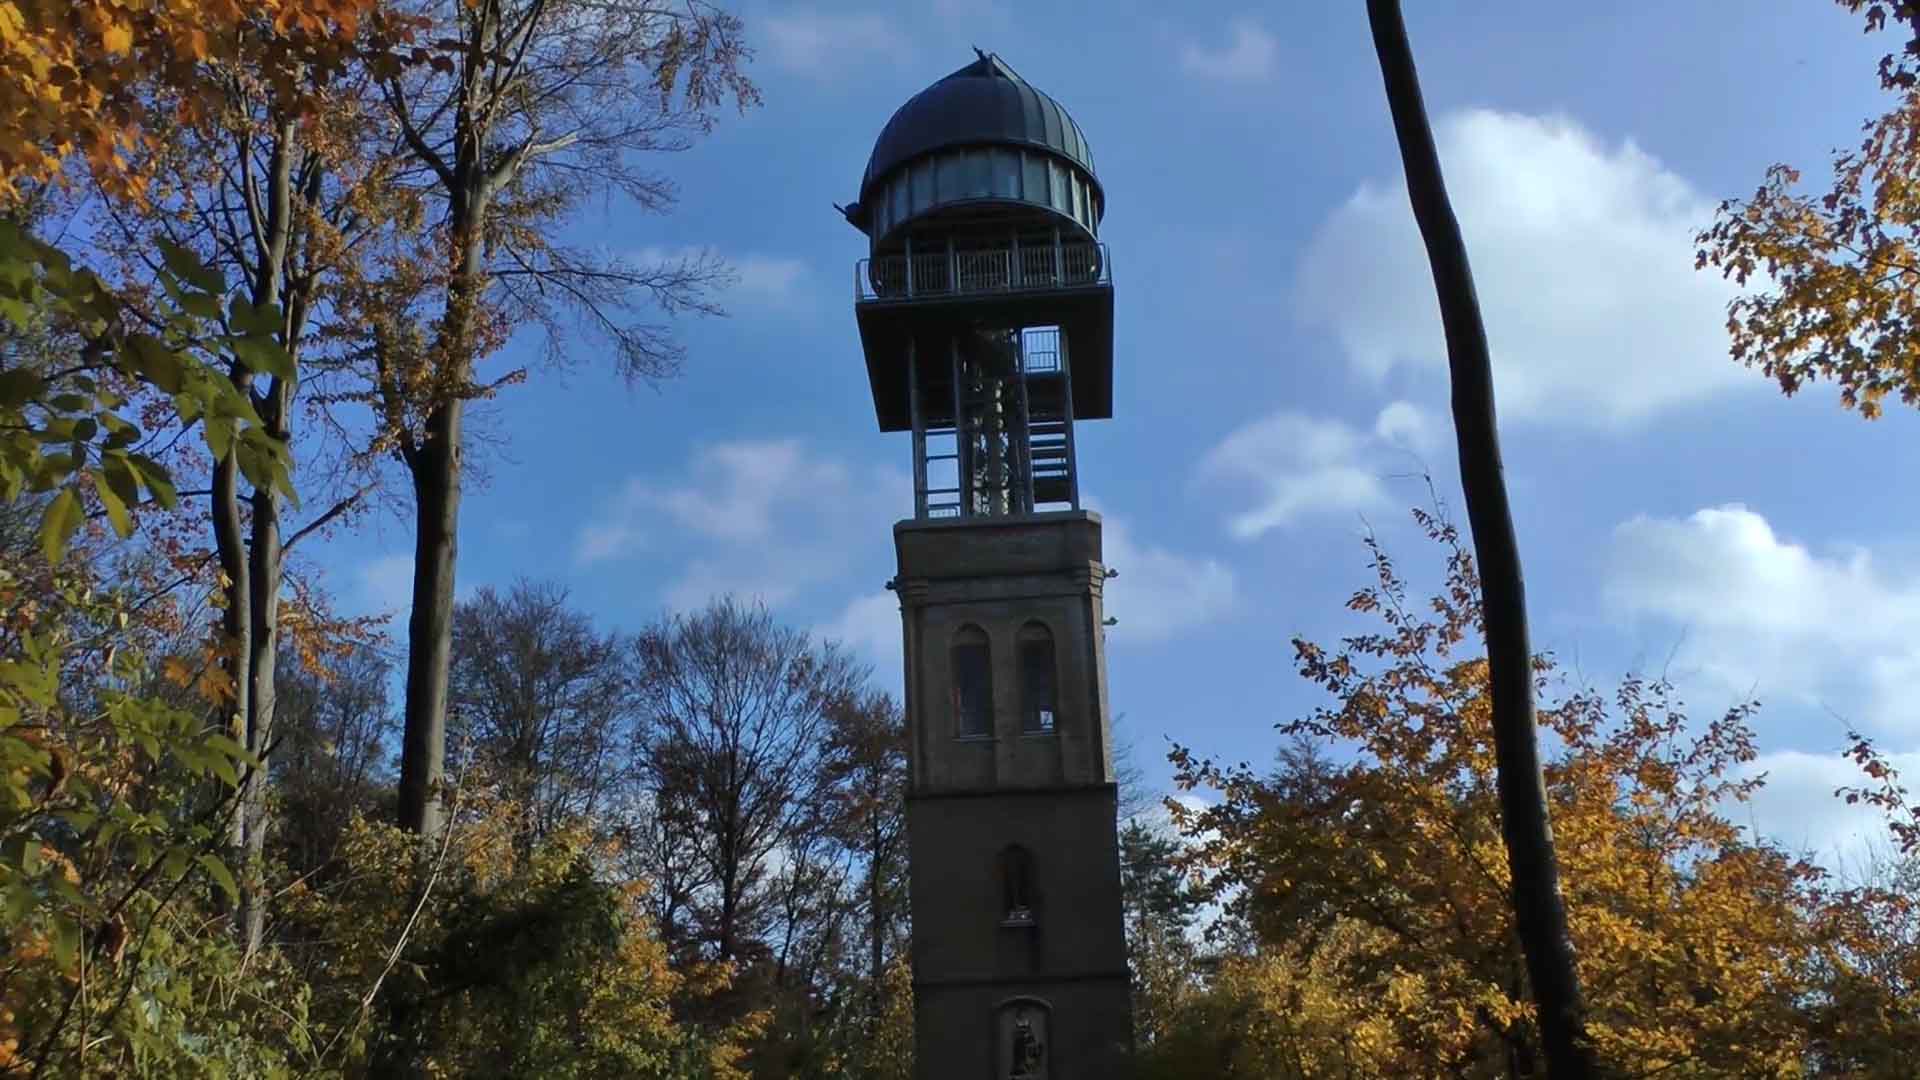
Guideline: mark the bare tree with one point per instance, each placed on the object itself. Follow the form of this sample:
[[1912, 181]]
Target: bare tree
[[865, 794], [1540, 915], [334, 737], [734, 716], [541, 697], [530, 108]]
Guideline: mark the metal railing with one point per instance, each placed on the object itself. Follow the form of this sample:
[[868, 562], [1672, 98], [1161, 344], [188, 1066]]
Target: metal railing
[[967, 273]]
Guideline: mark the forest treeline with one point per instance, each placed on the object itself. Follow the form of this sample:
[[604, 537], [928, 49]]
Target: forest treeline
[[257, 259]]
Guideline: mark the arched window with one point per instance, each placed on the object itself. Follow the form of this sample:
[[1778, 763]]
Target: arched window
[[972, 682], [1018, 899], [1038, 691]]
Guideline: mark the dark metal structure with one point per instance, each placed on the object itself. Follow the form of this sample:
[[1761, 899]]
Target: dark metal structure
[[985, 307], [986, 303]]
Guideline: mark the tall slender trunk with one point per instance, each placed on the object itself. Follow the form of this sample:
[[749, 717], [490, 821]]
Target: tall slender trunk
[[257, 602], [1540, 916], [876, 921], [435, 468], [264, 565], [236, 621]]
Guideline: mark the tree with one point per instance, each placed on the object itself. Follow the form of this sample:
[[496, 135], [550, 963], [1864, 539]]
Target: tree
[[335, 732], [865, 789], [1160, 907], [278, 193], [73, 75], [531, 107], [1838, 274], [541, 699], [1377, 898], [1525, 820], [733, 717]]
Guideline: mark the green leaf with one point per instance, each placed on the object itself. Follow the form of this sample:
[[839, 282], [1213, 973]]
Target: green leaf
[[187, 266], [221, 876], [19, 386], [230, 746], [157, 479], [201, 304], [57, 526], [219, 436], [66, 941], [119, 476], [263, 355], [245, 318], [156, 363], [120, 433], [116, 507]]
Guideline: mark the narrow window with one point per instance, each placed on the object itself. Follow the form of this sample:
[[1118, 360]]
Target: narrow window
[[972, 682], [1017, 900], [1038, 698]]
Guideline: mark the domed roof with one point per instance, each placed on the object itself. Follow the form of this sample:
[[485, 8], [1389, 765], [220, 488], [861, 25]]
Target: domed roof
[[984, 102]]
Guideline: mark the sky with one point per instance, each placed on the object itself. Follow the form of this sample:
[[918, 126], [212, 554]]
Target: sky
[[1280, 380]]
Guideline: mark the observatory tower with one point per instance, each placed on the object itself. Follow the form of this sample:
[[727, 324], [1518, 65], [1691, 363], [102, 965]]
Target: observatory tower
[[986, 314]]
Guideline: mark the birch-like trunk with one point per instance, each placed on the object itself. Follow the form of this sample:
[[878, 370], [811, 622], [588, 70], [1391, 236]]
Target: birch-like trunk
[[1540, 916]]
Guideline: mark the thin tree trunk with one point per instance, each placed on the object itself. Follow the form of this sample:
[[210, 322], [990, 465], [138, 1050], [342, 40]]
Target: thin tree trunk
[[236, 622], [262, 555], [435, 469], [264, 559], [876, 923], [434, 465], [1539, 910]]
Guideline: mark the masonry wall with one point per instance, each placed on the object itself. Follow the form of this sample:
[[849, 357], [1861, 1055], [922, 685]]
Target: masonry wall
[[972, 797]]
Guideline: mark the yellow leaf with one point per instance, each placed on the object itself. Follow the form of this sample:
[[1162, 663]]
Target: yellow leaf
[[117, 38]]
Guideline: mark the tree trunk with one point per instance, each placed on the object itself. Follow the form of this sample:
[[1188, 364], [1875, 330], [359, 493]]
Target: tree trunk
[[236, 621], [434, 465], [261, 610], [264, 564], [1539, 910], [876, 923], [435, 468]]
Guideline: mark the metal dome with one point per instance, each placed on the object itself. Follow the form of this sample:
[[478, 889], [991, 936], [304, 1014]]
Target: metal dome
[[985, 102]]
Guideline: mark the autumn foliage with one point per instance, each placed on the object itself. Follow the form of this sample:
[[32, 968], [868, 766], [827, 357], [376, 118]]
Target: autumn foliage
[[1833, 275], [1367, 873], [77, 76]]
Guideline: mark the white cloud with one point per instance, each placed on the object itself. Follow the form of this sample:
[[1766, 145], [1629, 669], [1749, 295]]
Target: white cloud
[[1407, 425], [1304, 465], [820, 44], [1157, 592], [1582, 258], [1798, 809], [745, 280], [765, 519], [769, 280], [1765, 615], [870, 627], [384, 585], [1248, 57]]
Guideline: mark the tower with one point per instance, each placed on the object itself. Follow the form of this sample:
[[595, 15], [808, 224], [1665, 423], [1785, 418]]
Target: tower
[[985, 309]]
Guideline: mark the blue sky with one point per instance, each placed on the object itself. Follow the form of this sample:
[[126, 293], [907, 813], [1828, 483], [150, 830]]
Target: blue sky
[[1279, 369]]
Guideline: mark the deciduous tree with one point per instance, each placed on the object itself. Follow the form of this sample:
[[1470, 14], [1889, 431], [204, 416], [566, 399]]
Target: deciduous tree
[[524, 110]]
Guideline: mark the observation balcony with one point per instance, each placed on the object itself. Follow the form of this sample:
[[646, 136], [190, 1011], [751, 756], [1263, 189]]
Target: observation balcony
[[913, 305], [942, 275]]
